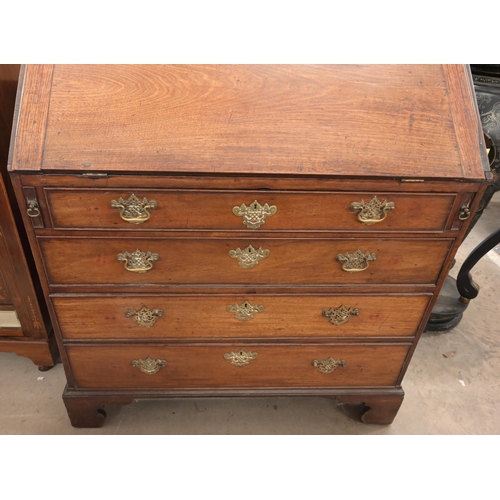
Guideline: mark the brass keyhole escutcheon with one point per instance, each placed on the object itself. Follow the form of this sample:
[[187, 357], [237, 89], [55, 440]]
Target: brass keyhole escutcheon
[[254, 215]]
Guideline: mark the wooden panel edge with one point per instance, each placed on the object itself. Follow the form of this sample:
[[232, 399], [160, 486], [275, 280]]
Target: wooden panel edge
[[30, 117], [465, 113]]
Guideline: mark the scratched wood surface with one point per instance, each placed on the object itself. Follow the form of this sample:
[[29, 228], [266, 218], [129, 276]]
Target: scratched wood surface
[[295, 119], [205, 366], [194, 316]]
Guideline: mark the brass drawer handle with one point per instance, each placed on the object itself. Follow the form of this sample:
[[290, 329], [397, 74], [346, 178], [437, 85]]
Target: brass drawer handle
[[249, 257], [138, 262], [240, 358], [355, 262], [33, 209], [148, 365], [328, 365], [255, 214], [373, 211], [245, 311], [464, 213], [134, 210], [144, 316], [340, 315]]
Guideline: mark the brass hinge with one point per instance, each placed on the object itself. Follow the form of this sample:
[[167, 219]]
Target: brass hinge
[[412, 180], [93, 175]]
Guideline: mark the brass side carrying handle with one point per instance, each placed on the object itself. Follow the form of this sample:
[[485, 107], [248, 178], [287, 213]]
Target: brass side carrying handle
[[138, 262], [464, 213], [254, 215], [134, 210], [340, 315], [328, 365], [373, 211], [355, 262], [149, 366], [33, 209]]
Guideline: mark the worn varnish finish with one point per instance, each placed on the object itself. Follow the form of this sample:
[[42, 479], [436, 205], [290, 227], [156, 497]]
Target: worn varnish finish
[[91, 209], [207, 317], [207, 261], [20, 292], [202, 139]]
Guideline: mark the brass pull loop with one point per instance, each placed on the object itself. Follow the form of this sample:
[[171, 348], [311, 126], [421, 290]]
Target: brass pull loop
[[134, 210], [464, 213], [340, 315], [245, 311], [328, 365], [255, 214], [240, 358], [355, 262], [144, 317], [33, 209], [138, 262], [249, 257], [149, 366], [373, 211]]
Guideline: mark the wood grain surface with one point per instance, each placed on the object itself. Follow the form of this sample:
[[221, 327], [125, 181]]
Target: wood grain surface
[[205, 366], [206, 316], [364, 120], [189, 209], [207, 261]]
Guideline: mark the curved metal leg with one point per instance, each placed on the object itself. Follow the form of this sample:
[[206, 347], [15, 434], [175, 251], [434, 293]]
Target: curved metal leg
[[466, 287]]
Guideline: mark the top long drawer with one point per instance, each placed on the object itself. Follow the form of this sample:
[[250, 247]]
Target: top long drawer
[[247, 210]]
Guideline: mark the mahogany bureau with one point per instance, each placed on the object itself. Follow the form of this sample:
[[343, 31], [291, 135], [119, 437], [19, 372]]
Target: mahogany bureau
[[219, 230], [25, 327]]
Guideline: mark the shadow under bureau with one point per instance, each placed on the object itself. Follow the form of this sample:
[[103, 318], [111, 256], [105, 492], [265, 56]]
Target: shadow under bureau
[[218, 230]]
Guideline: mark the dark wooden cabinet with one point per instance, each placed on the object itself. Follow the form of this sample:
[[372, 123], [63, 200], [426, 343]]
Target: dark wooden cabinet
[[222, 230], [25, 326]]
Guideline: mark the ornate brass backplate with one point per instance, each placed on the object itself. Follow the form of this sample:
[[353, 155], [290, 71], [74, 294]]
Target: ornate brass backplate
[[356, 261], [245, 311], [255, 214], [340, 315], [373, 211], [240, 358], [249, 257], [134, 210], [138, 262], [328, 365], [149, 366], [144, 316]]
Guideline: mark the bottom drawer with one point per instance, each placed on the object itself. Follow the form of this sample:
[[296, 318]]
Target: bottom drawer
[[241, 365]]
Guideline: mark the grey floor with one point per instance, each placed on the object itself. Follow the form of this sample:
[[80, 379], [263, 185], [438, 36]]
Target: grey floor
[[454, 395]]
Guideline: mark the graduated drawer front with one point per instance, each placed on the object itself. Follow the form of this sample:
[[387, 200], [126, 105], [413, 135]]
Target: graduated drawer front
[[187, 209], [198, 366], [263, 316], [207, 261]]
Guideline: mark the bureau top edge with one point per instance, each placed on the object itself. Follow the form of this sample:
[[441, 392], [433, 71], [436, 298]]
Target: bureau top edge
[[405, 121]]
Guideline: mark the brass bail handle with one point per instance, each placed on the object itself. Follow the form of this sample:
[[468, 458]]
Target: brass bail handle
[[372, 211], [134, 210], [138, 262], [355, 262]]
